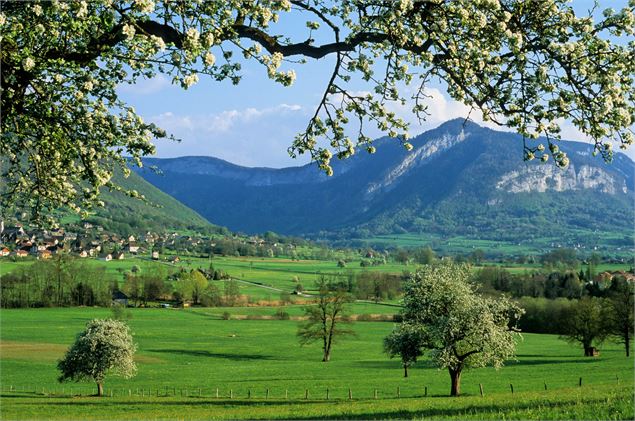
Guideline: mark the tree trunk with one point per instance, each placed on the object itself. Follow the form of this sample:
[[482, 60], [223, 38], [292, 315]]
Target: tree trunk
[[405, 370], [627, 341], [100, 389], [327, 356], [455, 375]]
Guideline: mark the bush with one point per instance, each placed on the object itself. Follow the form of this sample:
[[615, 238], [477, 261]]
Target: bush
[[280, 314], [226, 315]]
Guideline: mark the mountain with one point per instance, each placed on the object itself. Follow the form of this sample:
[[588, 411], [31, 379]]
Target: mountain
[[158, 213], [460, 180]]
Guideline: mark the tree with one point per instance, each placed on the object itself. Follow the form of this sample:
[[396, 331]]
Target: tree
[[198, 284], [104, 347], [586, 322], [232, 292], [424, 256], [525, 65], [620, 296], [460, 328], [325, 318], [404, 341]]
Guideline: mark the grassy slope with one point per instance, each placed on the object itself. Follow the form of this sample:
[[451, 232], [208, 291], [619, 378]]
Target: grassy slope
[[159, 213], [192, 349]]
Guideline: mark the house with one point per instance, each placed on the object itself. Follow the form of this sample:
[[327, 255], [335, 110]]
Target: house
[[21, 253], [108, 257], [83, 253], [44, 255], [4, 252], [155, 255], [120, 298], [132, 247], [175, 259], [119, 256]]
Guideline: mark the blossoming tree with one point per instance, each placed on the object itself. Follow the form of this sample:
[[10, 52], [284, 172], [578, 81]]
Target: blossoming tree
[[525, 65], [104, 347], [460, 328]]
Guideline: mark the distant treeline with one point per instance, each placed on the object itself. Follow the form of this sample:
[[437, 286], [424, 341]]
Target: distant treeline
[[60, 282]]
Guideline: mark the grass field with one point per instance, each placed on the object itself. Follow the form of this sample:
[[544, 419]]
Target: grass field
[[188, 350]]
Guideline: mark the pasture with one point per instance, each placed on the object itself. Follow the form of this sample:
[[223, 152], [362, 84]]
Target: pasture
[[191, 353]]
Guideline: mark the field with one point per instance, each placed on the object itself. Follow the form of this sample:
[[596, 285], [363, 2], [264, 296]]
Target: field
[[188, 354]]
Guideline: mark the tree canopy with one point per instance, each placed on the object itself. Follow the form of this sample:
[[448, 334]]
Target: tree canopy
[[525, 65], [460, 328], [104, 347]]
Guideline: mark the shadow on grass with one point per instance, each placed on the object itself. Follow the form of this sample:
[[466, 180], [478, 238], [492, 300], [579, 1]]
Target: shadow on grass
[[208, 354], [462, 409], [547, 361]]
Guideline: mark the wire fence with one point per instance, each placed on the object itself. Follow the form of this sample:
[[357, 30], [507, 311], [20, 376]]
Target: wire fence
[[261, 393]]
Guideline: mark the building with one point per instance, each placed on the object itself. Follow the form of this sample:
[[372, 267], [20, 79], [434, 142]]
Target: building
[[120, 298]]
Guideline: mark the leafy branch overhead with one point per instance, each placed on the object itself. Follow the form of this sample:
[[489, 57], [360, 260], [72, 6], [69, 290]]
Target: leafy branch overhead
[[526, 65]]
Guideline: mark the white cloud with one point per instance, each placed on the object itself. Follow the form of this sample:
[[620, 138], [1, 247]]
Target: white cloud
[[250, 136]]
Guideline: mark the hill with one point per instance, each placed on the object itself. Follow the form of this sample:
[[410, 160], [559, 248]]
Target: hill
[[159, 213], [460, 180]]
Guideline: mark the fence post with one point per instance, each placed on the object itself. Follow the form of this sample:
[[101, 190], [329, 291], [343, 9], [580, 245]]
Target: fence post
[[580, 383], [425, 392], [480, 386], [327, 393], [231, 394], [286, 393], [398, 392], [306, 393], [216, 393], [267, 394], [248, 393], [350, 394], [617, 379], [545, 385], [511, 386]]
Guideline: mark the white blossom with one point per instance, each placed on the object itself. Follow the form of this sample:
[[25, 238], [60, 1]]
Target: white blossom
[[28, 63], [209, 59], [128, 30]]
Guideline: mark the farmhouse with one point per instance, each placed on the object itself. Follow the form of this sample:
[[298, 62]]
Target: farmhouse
[[119, 256], [21, 253], [4, 252], [155, 255], [108, 257], [119, 298], [175, 259]]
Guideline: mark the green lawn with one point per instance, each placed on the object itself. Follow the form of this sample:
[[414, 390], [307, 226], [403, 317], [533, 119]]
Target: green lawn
[[192, 349]]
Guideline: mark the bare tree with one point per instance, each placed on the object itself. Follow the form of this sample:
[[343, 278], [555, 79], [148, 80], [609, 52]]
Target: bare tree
[[325, 318]]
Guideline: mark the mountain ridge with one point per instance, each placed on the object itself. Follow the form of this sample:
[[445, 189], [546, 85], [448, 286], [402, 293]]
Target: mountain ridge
[[396, 191]]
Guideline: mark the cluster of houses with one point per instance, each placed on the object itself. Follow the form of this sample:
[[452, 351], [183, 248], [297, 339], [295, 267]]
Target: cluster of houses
[[89, 240], [92, 242]]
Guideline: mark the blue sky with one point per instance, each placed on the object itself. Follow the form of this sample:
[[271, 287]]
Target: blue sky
[[254, 123]]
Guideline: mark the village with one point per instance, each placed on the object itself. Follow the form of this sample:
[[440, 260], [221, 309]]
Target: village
[[91, 241]]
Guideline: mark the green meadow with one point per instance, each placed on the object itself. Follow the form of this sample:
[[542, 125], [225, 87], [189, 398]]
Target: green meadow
[[184, 356]]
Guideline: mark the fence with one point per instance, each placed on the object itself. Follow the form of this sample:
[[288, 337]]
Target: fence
[[312, 394]]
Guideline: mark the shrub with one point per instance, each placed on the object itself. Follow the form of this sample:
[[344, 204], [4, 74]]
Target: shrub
[[280, 314], [226, 315]]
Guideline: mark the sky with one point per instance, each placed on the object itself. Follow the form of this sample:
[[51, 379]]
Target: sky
[[254, 123]]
